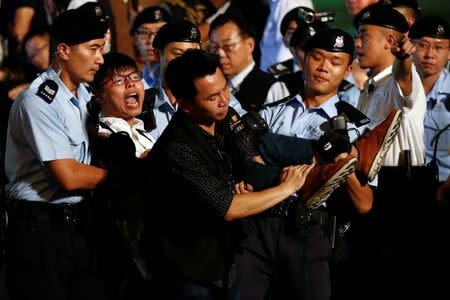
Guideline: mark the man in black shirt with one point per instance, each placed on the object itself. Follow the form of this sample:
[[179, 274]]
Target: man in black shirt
[[190, 238]]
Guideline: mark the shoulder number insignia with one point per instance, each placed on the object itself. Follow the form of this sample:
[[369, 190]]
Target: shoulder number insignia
[[47, 90]]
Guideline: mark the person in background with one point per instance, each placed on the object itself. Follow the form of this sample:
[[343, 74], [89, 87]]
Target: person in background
[[144, 29], [272, 49], [232, 38]]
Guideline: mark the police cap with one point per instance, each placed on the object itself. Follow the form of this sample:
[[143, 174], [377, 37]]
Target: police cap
[[332, 40], [151, 14], [76, 26], [297, 14], [303, 33], [402, 3], [184, 31], [385, 16], [435, 27]]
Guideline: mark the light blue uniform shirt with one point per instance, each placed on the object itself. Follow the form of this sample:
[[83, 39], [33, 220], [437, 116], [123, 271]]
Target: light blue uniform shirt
[[164, 111], [151, 76], [436, 118], [292, 118], [39, 132]]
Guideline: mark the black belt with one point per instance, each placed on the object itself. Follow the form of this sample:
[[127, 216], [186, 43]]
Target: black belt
[[290, 208], [64, 212]]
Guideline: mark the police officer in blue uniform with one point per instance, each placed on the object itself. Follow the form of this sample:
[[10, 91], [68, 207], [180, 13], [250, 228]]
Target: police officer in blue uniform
[[49, 252], [431, 36], [171, 41]]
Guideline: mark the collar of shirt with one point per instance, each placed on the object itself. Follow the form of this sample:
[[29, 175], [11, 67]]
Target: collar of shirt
[[151, 74], [135, 132], [370, 83], [236, 81], [162, 101], [328, 108], [382, 74]]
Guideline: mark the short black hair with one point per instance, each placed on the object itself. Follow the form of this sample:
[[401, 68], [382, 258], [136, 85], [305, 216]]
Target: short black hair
[[245, 28], [183, 70], [113, 62], [40, 31]]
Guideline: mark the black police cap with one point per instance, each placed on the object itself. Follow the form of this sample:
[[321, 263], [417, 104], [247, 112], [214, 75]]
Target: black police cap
[[431, 26], [76, 26], [183, 31], [402, 3], [94, 9], [297, 14], [332, 40], [303, 33], [151, 14], [385, 16]]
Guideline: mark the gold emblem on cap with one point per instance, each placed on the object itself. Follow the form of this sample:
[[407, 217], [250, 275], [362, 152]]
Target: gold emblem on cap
[[339, 43], [440, 30]]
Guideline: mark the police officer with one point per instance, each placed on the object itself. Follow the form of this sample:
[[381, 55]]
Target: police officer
[[171, 41], [50, 255], [144, 29], [383, 48], [431, 37]]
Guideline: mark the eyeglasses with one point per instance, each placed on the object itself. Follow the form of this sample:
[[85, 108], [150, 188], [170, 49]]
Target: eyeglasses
[[227, 48], [426, 47], [144, 35], [121, 79]]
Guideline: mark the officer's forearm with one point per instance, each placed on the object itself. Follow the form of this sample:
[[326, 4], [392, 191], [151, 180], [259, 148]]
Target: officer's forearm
[[402, 71]]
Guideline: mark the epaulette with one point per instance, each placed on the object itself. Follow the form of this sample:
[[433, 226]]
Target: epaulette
[[278, 102], [281, 68], [47, 90], [345, 86]]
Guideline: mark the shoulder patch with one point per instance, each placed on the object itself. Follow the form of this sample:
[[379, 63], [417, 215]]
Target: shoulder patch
[[345, 85], [281, 68], [47, 90], [281, 101]]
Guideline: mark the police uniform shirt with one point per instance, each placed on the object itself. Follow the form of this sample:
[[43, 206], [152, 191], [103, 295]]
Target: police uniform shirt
[[436, 118], [142, 140], [151, 73], [350, 95], [276, 92], [272, 48], [164, 111], [41, 131], [292, 118], [384, 95]]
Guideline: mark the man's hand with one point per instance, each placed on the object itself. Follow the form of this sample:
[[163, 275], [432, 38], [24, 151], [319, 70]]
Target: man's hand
[[404, 48], [293, 177], [242, 188]]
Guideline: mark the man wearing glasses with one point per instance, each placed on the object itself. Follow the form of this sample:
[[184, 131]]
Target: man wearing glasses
[[431, 37], [144, 29], [233, 40], [171, 41]]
